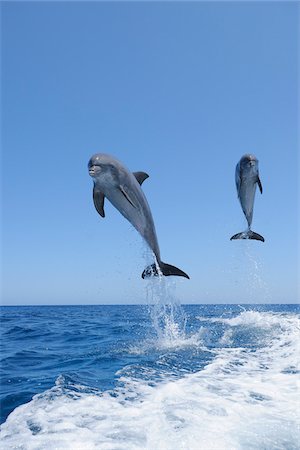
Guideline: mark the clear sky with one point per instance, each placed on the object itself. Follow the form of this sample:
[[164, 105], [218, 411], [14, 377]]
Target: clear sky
[[179, 90]]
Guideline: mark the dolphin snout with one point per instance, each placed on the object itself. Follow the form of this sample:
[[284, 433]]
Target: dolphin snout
[[93, 170]]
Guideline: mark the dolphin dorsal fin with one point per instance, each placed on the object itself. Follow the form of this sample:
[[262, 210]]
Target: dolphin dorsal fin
[[259, 185], [98, 198], [141, 176]]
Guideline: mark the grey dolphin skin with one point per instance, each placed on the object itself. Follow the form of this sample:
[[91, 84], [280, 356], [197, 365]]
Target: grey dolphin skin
[[123, 189], [246, 179]]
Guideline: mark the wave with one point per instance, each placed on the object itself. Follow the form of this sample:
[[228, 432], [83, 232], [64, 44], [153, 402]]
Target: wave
[[243, 398]]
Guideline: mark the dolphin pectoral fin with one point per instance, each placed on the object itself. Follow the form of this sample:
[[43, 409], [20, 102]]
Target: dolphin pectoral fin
[[259, 184], [249, 234], [98, 198], [127, 196], [140, 176], [238, 179], [163, 269]]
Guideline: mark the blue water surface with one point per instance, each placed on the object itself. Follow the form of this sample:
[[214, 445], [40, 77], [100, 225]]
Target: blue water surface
[[93, 346]]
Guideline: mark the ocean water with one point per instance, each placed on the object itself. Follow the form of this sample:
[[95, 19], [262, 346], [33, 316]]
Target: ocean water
[[157, 377]]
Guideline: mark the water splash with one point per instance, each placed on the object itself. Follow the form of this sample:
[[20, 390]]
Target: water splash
[[167, 315], [248, 272]]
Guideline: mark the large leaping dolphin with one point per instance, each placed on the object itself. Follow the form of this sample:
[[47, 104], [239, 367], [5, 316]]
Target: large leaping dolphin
[[123, 190], [246, 179]]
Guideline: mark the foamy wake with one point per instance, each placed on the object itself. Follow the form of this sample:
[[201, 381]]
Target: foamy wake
[[244, 399]]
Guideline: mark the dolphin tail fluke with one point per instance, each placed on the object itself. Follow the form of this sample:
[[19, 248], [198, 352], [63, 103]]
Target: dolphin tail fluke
[[249, 234], [163, 269]]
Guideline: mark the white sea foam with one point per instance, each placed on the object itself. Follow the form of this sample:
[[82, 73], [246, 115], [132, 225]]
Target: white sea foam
[[243, 399], [172, 336], [256, 319]]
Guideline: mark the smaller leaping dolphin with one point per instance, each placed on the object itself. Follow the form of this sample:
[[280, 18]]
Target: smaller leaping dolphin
[[123, 190], [246, 179]]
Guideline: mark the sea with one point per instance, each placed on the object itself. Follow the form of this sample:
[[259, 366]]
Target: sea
[[157, 376]]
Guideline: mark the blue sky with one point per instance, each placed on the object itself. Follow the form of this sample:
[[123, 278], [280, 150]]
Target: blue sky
[[179, 90]]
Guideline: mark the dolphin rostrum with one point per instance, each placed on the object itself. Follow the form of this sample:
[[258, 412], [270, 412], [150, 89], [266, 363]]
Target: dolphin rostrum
[[122, 188], [246, 179]]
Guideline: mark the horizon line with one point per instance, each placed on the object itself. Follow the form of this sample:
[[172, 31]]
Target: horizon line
[[145, 304]]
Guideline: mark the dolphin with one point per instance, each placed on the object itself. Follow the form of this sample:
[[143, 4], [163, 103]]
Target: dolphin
[[246, 179], [123, 189]]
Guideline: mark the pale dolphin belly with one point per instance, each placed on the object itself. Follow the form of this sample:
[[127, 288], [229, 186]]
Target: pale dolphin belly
[[139, 215], [246, 196]]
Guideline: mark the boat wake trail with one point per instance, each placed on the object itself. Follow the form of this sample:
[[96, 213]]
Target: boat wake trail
[[244, 396]]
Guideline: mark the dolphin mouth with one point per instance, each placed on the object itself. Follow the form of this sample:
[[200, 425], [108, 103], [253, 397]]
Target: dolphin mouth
[[94, 170]]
